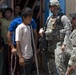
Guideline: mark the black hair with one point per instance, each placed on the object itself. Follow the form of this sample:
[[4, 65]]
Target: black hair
[[1, 11], [8, 8], [18, 5], [26, 12]]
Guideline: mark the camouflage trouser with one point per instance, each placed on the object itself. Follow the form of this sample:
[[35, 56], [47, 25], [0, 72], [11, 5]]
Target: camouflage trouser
[[51, 67], [61, 61], [51, 58], [50, 64], [72, 61]]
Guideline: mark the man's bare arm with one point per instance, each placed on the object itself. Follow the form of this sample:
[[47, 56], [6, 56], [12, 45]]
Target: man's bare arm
[[21, 59], [11, 42], [9, 39], [18, 49]]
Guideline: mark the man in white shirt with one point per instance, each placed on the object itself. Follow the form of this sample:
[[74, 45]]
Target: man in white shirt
[[23, 42]]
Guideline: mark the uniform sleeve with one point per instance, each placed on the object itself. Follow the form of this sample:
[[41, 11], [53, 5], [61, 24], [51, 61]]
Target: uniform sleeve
[[67, 28], [34, 26], [18, 33], [72, 60], [12, 26]]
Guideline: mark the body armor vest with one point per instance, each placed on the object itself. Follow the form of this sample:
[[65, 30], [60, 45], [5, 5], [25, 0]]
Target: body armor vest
[[53, 35], [53, 28]]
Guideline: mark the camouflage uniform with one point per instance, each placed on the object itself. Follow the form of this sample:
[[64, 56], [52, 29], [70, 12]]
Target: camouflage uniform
[[72, 44], [71, 47], [61, 65], [55, 25]]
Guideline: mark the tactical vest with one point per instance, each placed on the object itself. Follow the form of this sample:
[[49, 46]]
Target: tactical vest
[[53, 28], [52, 34]]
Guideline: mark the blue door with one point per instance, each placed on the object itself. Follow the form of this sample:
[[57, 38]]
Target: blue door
[[46, 9], [47, 12], [63, 5]]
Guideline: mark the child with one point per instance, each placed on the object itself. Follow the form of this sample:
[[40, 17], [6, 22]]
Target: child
[[23, 42]]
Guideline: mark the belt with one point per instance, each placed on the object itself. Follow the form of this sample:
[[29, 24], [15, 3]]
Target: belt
[[74, 45]]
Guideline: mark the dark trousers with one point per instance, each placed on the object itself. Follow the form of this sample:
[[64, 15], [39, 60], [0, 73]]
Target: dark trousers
[[5, 61], [1, 62], [26, 70]]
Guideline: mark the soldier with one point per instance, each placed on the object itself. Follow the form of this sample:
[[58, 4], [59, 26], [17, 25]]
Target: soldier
[[56, 24], [71, 70]]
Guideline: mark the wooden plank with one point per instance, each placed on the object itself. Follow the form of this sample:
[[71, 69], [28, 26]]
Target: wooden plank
[[1, 1], [41, 13], [38, 15], [15, 1], [12, 6], [34, 4], [19, 1], [26, 3]]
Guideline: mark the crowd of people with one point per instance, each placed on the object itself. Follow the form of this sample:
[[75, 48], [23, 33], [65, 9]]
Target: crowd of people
[[8, 25], [58, 40]]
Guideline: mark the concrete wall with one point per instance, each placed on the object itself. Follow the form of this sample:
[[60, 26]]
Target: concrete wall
[[70, 7]]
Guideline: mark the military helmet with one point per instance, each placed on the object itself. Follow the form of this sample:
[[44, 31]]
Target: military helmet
[[54, 3], [73, 15]]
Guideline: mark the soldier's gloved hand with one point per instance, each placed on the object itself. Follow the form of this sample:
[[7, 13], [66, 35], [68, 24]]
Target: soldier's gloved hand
[[63, 48], [41, 31]]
